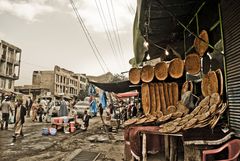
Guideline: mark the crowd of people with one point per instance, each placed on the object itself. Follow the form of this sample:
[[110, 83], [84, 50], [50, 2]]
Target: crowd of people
[[14, 110]]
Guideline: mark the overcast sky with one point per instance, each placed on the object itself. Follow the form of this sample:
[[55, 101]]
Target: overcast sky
[[49, 33]]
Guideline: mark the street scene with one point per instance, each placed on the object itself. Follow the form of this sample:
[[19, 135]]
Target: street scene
[[119, 80]]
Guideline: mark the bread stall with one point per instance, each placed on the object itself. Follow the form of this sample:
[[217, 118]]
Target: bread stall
[[184, 96]]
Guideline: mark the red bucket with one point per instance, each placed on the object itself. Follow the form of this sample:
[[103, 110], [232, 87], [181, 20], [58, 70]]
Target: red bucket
[[72, 129], [72, 124]]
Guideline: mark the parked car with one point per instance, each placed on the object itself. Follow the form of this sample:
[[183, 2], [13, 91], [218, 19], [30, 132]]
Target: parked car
[[81, 106]]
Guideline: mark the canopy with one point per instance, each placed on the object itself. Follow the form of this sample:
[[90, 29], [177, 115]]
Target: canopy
[[116, 87], [127, 94]]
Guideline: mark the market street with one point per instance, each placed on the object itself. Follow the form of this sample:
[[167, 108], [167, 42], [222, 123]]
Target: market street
[[35, 146]]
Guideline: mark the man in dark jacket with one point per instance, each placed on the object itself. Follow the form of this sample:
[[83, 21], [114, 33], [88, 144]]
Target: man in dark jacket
[[19, 119], [86, 118]]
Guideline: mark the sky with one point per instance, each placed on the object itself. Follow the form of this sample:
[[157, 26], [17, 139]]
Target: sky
[[48, 32]]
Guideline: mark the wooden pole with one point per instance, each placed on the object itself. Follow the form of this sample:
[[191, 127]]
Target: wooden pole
[[144, 147]]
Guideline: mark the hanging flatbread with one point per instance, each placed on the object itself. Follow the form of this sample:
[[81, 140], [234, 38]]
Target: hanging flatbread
[[220, 81], [162, 99], [201, 46], [213, 83], [192, 63], [175, 93], [134, 75], [170, 94], [204, 85], [165, 87], [161, 70], [152, 98], [145, 98], [147, 73], [157, 96], [176, 68]]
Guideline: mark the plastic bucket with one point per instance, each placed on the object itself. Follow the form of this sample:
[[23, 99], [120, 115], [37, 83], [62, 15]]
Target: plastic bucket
[[66, 128], [72, 124], [53, 131], [65, 120], [60, 120], [72, 129], [44, 131]]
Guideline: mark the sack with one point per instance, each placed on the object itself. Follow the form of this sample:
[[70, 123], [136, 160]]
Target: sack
[[188, 100]]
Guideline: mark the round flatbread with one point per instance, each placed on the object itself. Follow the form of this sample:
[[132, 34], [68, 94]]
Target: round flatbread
[[196, 110], [215, 99], [176, 68], [164, 118], [130, 121], [161, 70], [204, 109], [171, 109], [147, 73], [220, 81], [213, 83], [205, 101], [213, 109], [177, 129], [192, 63], [141, 121], [134, 75], [145, 98], [190, 123], [204, 85], [177, 115], [202, 116], [201, 46]]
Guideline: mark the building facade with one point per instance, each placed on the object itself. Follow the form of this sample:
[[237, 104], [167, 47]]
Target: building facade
[[60, 81], [10, 56]]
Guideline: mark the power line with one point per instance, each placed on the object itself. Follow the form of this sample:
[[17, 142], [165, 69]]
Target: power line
[[88, 36], [105, 19], [130, 8], [116, 25], [107, 32], [115, 32]]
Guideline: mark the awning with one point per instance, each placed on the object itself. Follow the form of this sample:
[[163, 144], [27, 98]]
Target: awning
[[116, 87], [127, 94]]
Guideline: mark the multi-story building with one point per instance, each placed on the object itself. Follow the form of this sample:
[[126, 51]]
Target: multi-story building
[[60, 81], [10, 58]]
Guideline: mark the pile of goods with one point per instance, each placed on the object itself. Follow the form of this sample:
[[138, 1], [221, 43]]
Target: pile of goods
[[161, 103]]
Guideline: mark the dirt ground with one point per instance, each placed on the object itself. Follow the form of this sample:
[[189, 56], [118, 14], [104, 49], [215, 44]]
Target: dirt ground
[[62, 147]]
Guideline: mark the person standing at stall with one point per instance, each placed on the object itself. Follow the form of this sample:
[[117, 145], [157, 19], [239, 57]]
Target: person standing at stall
[[63, 111], [29, 103], [6, 109], [19, 119], [34, 111]]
